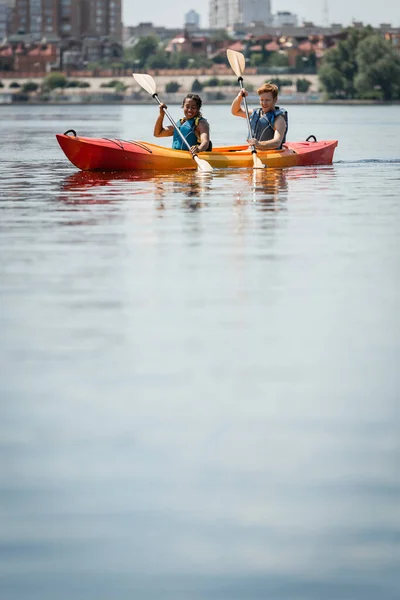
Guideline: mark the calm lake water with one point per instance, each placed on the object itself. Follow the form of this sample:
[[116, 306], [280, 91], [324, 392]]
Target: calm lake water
[[200, 375]]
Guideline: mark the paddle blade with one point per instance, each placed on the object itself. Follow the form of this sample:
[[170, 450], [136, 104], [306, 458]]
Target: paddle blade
[[203, 165], [257, 164], [237, 62], [146, 82]]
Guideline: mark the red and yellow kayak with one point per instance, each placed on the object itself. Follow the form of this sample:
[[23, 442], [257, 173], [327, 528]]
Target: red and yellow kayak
[[102, 154]]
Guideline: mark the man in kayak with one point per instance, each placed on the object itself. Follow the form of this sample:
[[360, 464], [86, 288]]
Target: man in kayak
[[193, 126], [269, 124]]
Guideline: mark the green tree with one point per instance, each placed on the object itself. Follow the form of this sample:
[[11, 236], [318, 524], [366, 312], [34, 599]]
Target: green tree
[[228, 82], [339, 66], [172, 87], [120, 87], [378, 69], [29, 86], [256, 59], [54, 80], [143, 49], [303, 85], [306, 63], [114, 83], [197, 86], [280, 82], [199, 61], [278, 59], [212, 82], [159, 60], [75, 83], [220, 59], [332, 80], [179, 60], [72, 83]]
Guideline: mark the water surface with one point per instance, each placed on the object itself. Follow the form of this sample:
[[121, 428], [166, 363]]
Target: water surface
[[199, 375]]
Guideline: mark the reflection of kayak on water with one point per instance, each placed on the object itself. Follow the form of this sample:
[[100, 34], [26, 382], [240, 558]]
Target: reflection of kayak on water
[[86, 179], [269, 187], [152, 183], [102, 154]]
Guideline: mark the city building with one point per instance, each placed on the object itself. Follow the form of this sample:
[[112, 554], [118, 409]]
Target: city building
[[132, 33], [192, 20], [38, 18], [67, 18], [188, 43], [101, 18], [252, 11], [45, 35], [392, 35], [5, 17], [218, 14], [283, 18], [227, 13]]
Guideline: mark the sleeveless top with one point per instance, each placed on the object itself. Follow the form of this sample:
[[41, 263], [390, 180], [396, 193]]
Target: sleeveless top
[[188, 130], [262, 124]]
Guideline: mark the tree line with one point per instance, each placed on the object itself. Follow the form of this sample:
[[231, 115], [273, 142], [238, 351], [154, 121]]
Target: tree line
[[362, 66], [148, 54]]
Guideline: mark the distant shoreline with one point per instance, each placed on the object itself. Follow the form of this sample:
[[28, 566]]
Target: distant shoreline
[[93, 95], [283, 101]]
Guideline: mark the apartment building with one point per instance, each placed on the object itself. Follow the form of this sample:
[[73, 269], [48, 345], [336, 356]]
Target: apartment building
[[283, 18], [68, 18], [227, 13], [5, 17], [101, 18]]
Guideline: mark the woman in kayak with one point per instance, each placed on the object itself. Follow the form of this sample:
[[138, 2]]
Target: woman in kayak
[[193, 126], [269, 124]]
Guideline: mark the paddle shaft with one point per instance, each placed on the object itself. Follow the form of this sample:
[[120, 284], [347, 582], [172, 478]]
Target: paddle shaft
[[246, 108]]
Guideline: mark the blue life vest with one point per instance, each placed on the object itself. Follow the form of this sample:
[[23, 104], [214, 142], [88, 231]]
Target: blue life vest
[[262, 124], [188, 130]]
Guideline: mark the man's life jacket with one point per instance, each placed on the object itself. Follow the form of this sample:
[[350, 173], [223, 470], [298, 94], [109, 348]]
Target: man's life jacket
[[188, 130], [262, 124]]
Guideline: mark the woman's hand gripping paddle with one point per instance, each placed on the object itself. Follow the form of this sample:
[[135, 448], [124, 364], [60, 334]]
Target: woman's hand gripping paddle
[[148, 84], [237, 62]]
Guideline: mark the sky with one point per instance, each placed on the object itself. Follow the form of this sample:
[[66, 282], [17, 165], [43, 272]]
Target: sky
[[171, 14]]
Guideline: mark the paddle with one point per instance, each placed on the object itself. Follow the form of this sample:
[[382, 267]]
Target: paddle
[[237, 62], [148, 84]]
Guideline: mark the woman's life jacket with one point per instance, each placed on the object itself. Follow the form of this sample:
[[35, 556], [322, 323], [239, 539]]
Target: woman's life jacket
[[188, 130], [262, 124]]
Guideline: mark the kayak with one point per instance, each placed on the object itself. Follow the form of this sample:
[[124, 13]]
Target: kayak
[[103, 154]]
